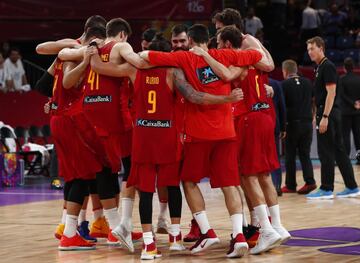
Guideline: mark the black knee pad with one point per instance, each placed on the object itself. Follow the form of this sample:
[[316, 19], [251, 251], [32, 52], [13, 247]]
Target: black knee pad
[[175, 201], [92, 187], [146, 207], [78, 192], [115, 183], [104, 182], [67, 187], [126, 161]]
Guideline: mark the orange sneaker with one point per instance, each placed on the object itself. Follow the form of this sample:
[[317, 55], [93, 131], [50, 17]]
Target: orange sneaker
[[251, 234], [99, 228], [59, 231], [75, 243]]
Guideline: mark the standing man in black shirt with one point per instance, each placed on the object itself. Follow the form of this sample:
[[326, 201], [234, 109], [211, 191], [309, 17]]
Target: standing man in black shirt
[[350, 106], [298, 93], [329, 132]]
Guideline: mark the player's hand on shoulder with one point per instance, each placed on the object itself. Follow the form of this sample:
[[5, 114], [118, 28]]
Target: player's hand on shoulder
[[47, 107], [198, 51]]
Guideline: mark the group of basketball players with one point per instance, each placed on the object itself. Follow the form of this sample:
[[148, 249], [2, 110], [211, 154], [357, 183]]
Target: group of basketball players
[[183, 112]]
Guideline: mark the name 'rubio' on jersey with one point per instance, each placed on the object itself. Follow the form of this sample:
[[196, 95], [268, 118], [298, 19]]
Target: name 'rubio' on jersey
[[156, 138], [103, 99]]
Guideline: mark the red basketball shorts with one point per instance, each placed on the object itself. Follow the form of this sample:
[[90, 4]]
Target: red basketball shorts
[[257, 149], [146, 177], [214, 159]]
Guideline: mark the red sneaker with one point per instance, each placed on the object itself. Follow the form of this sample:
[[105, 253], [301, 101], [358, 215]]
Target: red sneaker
[[75, 243], [194, 233], [251, 235], [307, 188], [205, 241], [135, 236], [150, 251], [238, 246], [286, 190], [111, 240]]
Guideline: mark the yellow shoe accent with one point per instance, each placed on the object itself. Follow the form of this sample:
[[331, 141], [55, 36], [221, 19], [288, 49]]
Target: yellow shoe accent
[[59, 231]]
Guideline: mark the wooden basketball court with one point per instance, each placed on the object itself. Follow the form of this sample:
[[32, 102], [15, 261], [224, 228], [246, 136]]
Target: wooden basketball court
[[27, 231]]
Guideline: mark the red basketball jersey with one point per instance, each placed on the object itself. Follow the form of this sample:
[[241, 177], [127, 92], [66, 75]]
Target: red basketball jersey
[[155, 136], [255, 98], [102, 98], [62, 98], [125, 93]]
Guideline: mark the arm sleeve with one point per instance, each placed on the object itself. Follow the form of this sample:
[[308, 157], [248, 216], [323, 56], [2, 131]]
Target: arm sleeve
[[242, 57], [330, 75], [159, 58], [44, 84]]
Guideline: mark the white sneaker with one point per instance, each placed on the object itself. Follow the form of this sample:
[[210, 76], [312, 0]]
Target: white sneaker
[[284, 234], [124, 235], [176, 243], [162, 226], [268, 239], [205, 241]]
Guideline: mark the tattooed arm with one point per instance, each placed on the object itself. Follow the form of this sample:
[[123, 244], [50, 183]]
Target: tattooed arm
[[198, 97]]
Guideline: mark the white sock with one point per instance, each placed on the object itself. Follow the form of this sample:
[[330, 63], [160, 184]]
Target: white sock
[[245, 222], [174, 230], [82, 216], [254, 218], [70, 225], [127, 205], [148, 238], [236, 220], [267, 211], [263, 217], [163, 209], [112, 216], [63, 217], [275, 215], [98, 213], [202, 221]]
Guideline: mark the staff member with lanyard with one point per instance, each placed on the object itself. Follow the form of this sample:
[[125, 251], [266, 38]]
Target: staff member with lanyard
[[328, 123]]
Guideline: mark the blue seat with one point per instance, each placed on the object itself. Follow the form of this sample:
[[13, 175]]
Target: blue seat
[[352, 53], [329, 41], [334, 55], [345, 42]]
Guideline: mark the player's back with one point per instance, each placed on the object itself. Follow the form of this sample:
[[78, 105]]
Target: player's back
[[155, 135], [62, 98], [102, 98]]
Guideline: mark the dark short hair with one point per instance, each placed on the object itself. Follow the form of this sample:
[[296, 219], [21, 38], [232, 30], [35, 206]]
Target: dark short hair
[[199, 33], [178, 29], [94, 21], [212, 43], [159, 43], [148, 34], [231, 34], [97, 32], [318, 41], [116, 25], [16, 49], [228, 17], [349, 64]]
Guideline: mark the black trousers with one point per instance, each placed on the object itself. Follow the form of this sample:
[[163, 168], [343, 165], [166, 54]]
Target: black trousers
[[351, 123], [298, 138], [330, 149]]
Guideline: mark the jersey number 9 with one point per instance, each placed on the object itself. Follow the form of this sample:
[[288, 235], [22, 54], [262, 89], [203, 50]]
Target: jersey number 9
[[152, 101]]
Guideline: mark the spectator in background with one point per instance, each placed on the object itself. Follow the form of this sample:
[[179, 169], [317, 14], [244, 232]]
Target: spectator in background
[[280, 129], [2, 74], [334, 21], [298, 93], [147, 37], [350, 106], [14, 72], [310, 22], [252, 22], [357, 41]]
